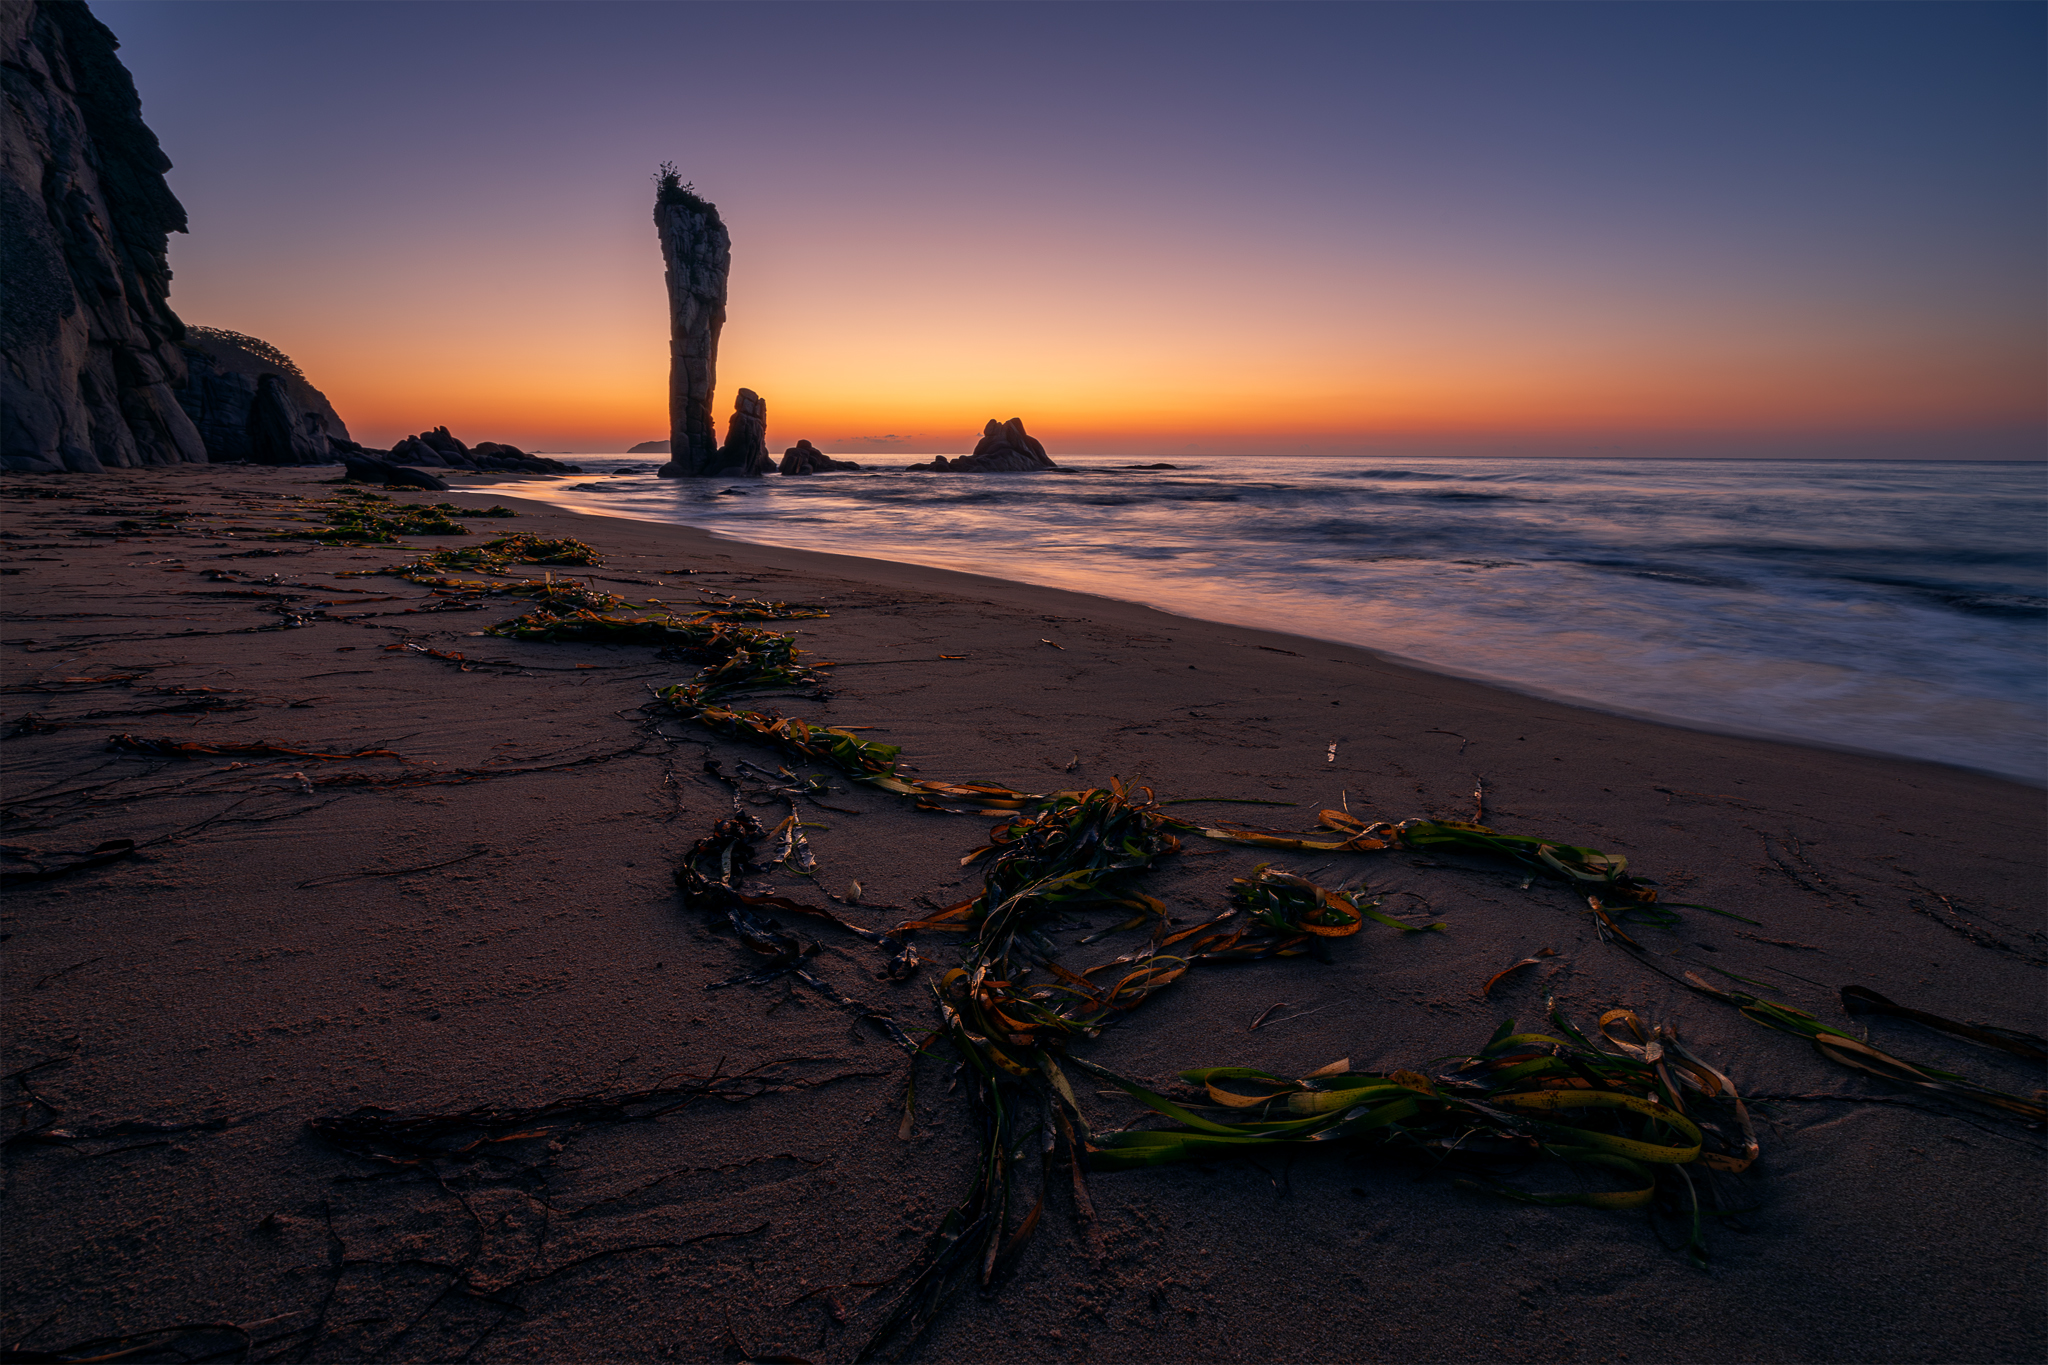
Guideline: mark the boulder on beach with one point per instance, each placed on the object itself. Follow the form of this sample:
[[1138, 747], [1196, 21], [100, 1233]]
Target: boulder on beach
[[1004, 448], [805, 458], [369, 469]]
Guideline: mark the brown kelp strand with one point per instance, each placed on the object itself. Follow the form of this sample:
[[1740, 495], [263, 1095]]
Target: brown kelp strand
[[358, 518], [498, 556], [709, 879], [1845, 1050], [1634, 1115], [1863, 1000], [1587, 869]]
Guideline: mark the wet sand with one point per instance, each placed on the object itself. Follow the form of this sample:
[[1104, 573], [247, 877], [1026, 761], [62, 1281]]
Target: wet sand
[[176, 1016]]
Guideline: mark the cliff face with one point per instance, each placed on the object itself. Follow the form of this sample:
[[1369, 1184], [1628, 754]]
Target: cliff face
[[220, 395], [88, 346], [696, 253]]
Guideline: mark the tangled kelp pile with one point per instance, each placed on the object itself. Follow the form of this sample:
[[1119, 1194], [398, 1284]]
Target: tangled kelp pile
[[356, 517], [1641, 1118]]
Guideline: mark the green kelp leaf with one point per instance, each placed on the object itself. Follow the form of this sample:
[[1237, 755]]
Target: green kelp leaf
[[1857, 1055]]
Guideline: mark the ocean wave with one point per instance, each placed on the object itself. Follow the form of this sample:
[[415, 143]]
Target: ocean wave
[[1883, 606]]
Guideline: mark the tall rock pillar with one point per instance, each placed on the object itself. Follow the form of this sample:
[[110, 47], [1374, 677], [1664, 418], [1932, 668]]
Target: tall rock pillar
[[696, 255]]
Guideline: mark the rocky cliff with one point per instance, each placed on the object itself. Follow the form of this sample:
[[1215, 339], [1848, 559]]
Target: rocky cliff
[[225, 375], [89, 351], [696, 256]]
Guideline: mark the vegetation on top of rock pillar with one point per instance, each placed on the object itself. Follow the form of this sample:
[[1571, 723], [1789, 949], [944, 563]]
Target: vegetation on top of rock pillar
[[255, 346], [671, 188]]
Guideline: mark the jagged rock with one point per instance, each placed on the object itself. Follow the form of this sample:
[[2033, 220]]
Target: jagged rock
[[372, 470], [442, 443], [411, 450], [745, 452], [649, 448], [279, 433], [437, 449], [805, 458], [223, 371], [696, 255], [1004, 448], [89, 352]]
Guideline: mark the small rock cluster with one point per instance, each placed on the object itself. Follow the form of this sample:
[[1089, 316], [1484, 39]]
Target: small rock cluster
[[439, 449], [805, 458], [1004, 448], [745, 452]]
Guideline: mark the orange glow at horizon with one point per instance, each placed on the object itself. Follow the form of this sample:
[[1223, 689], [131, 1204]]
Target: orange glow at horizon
[[1126, 349]]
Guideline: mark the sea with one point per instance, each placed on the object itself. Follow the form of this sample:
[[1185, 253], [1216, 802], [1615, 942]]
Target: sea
[[1891, 607]]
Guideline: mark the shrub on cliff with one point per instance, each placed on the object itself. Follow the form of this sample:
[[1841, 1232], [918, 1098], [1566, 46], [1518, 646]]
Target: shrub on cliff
[[670, 188], [262, 350]]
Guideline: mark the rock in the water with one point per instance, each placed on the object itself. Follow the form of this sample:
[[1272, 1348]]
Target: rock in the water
[[649, 448], [745, 452], [89, 356], [805, 458], [372, 470], [696, 255], [279, 433], [1005, 448]]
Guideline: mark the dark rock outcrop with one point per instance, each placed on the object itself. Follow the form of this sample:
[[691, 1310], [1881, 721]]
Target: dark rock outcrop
[[89, 352], [438, 449], [223, 373], [649, 448], [442, 443], [696, 255], [745, 452], [805, 458], [1005, 448], [411, 450], [279, 432], [372, 470]]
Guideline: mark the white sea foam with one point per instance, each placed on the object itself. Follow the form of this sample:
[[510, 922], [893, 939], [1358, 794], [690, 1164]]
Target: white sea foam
[[1895, 607]]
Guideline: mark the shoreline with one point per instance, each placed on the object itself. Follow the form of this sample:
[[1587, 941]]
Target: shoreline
[[1389, 657], [468, 902]]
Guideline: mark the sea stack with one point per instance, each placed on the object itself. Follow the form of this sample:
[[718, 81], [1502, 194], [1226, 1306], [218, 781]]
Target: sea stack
[[746, 439], [89, 351], [696, 256]]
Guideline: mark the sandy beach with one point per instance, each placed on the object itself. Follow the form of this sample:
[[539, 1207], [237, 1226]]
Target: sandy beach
[[459, 894]]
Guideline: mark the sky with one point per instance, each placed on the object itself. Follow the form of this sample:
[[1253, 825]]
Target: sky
[[1713, 229]]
